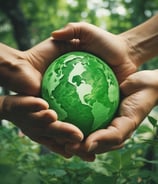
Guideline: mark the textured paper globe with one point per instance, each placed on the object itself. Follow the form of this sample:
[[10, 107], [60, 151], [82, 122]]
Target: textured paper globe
[[82, 89]]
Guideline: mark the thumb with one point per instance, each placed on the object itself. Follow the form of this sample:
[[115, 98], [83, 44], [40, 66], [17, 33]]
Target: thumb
[[70, 31], [138, 105], [74, 31]]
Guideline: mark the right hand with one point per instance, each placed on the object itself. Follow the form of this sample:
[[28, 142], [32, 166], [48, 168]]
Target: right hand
[[113, 49], [140, 96]]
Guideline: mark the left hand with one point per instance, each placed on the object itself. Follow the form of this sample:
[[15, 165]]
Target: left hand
[[22, 71], [140, 96], [32, 116]]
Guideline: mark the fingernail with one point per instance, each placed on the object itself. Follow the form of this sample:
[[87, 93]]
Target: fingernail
[[93, 146], [76, 138]]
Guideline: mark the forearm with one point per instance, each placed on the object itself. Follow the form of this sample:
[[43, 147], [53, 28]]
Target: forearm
[[9, 58], [143, 40], [9, 54]]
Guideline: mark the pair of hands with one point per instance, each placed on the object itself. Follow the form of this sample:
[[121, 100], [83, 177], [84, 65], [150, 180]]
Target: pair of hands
[[32, 114]]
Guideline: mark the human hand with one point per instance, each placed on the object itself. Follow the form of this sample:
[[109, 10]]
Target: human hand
[[140, 96], [113, 49], [31, 64], [124, 53], [39, 123], [21, 71]]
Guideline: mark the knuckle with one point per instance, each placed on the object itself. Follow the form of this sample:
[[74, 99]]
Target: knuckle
[[119, 139]]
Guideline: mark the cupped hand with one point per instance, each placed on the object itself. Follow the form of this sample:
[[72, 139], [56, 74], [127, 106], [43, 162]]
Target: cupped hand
[[22, 71], [140, 96], [113, 49], [39, 123]]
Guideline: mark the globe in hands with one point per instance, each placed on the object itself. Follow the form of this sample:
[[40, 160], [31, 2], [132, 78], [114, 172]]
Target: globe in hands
[[82, 89]]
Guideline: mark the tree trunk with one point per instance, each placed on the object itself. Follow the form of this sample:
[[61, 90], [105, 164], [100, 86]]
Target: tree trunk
[[18, 21]]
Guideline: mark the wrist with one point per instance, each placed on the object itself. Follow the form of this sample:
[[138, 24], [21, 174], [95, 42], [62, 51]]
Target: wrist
[[142, 41], [9, 54], [9, 62], [42, 54]]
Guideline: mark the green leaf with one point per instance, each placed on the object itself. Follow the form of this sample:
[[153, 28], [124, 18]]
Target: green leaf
[[151, 142], [152, 120], [146, 161]]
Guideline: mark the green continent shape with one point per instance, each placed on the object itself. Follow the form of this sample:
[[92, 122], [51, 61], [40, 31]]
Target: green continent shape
[[82, 90]]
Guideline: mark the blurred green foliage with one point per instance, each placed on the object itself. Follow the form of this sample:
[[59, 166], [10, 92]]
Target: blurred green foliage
[[21, 160], [42, 17]]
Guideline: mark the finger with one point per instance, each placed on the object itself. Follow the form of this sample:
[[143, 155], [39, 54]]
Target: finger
[[78, 150], [139, 81], [87, 157], [43, 117], [23, 104], [36, 124], [80, 30], [132, 112], [104, 140], [111, 138], [61, 132], [59, 149], [138, 105], [84, 36], [42, 124], [53, 146], [64, 132], [70, 31]]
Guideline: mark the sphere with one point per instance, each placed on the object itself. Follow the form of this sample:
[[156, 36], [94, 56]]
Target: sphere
[[82, 89]]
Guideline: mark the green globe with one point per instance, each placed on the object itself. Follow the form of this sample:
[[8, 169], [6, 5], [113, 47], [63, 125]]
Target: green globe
[[82, 89]]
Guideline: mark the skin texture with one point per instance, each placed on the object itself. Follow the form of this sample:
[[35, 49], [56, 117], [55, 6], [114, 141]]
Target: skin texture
[[112, 48], [28, 66], [124, 53], [22, 72], [134, 107]]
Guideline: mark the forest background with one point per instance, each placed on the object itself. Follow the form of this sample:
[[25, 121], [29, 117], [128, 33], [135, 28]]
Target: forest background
[[26, 23]]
